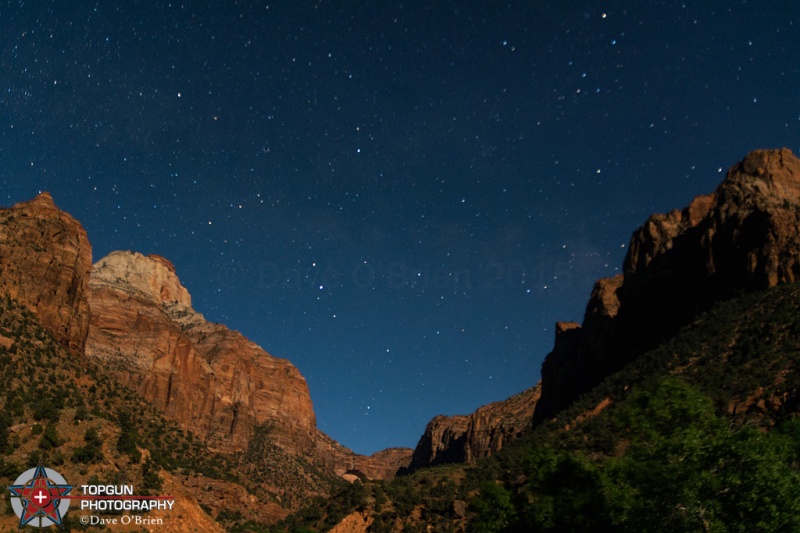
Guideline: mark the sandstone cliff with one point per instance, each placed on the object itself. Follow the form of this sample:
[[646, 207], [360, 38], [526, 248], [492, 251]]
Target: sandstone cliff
[[45, 260], [468, 438], [211, 379], [743, 237], [384, 464]]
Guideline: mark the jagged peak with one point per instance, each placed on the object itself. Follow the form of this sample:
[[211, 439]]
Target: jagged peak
[[768, 174], [759, 162], [41, 202], [152, 277], [164, 261], [44, 198], [743, 237], [45, 259]]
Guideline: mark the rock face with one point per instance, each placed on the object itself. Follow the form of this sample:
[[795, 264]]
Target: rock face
[[468, 438], [384, 464], [743, 237], [210, 379], [357, 522], [45, 260], [444, 441], [132, 314]]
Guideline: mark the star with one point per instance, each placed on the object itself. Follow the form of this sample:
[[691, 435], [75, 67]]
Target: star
[[40, 497]]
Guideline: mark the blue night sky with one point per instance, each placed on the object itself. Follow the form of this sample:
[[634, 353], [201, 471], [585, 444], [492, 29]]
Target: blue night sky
[[400, 198]]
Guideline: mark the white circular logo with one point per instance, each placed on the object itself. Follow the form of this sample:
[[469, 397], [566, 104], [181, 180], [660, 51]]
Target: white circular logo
[[39, 497]]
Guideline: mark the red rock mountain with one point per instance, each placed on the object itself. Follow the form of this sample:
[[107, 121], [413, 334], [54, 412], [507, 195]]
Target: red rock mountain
[[384, 464], [211, 379], [45, 260], [132, 314], [743, 237], [468, 438]]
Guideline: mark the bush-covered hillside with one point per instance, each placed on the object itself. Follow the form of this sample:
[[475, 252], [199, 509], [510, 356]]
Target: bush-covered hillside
[[700, 434], [60, 410]]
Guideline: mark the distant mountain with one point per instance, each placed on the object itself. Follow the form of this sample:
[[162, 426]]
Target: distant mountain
[[470, 438]]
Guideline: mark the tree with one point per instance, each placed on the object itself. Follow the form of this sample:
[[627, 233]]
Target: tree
[[492, 509], [150, 477], [49, 438], [92, 451]]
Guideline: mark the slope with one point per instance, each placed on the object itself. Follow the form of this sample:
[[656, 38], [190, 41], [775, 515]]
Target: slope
[[700, 433], [70, 414]]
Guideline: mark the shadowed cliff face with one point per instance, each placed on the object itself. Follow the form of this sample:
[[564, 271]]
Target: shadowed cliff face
[[384, 464], [743, 237], [45, 260], [469, 438]]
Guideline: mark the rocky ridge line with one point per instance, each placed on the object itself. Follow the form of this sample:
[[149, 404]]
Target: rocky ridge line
[[743, 237], [469, 438]]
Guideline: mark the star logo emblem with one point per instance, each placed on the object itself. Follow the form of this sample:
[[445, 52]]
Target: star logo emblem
[[37, 497]]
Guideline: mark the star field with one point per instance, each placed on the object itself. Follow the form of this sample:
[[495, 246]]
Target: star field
[[401, 199]]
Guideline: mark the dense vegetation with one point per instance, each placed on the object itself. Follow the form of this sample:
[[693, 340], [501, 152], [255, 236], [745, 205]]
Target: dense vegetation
[[700, 434], [662, 460]]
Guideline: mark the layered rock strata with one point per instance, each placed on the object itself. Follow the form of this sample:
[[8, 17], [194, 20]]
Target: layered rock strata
[[469, 438], [384, 464], [45, 260], [210, 379]]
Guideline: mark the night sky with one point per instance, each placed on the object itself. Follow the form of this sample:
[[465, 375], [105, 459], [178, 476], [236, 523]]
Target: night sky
[[402, 199]]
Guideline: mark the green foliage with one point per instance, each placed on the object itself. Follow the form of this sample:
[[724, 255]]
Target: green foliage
[[229, 516], [5, 423], [150, 478], [35, 458], [128, 437], [81, 413], [9, 470], [684, 468], [322, 514], [49, 438], [91, 451], [493, 509], [46, 409], [698, 473]]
